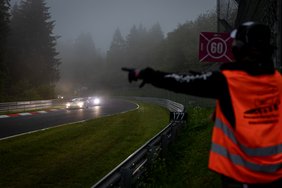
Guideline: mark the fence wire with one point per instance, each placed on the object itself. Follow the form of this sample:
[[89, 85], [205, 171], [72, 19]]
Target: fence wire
[[227, 12]]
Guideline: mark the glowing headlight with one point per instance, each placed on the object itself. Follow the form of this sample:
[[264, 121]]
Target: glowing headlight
[[80, 104], [96, 101], [68, 105]]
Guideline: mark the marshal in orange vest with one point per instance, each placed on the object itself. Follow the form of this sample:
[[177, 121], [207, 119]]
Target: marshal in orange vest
[[250, 151]]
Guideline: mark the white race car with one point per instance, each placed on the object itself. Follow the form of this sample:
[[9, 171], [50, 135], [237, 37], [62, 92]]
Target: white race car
[[77, 103]]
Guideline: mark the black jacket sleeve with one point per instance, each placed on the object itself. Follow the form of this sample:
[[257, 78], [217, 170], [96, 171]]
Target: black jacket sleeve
[[206, 84], [209, 85]]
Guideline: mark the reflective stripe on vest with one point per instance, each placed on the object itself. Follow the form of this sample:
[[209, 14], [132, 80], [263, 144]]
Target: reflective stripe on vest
[[236, 159], [261, 152]]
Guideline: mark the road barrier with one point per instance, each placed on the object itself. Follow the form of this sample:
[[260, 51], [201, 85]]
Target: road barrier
[[27, 105], [127, 173]]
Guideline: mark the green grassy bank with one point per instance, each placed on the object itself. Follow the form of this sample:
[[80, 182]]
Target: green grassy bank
[[187, 158], [77, 155]]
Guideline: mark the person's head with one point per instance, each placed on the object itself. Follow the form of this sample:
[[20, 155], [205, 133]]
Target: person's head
[[252, 42]]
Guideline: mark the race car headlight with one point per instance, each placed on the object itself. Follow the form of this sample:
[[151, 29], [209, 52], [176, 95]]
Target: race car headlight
[[68, 105], [96, 101], [80, 104]]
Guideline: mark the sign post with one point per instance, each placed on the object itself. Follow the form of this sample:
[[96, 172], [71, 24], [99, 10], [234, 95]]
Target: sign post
[[215, 47]]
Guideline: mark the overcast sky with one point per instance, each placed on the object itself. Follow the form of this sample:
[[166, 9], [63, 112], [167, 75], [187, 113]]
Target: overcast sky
[[102, 17]]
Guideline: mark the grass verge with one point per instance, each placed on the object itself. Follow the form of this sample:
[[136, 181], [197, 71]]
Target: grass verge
[[186, 164], [77, 155]]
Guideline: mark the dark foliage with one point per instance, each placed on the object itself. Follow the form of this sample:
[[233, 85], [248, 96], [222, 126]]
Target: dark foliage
[[32, 62], [4, 31]]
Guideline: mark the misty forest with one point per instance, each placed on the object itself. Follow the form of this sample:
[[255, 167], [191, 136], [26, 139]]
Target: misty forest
[[36, 64]]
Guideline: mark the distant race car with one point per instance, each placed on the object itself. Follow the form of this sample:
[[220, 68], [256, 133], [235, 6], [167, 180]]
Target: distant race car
[[77, 103]]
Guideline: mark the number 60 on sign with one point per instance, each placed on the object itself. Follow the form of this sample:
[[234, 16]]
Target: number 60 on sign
[[215, 47]]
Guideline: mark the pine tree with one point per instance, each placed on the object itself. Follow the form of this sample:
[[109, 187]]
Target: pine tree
[[4, 29], [84, 56], [16, 48], [154, 41], [142, 45], [136, 46], [156, 34], [116, 53], [181, 45], [32, 48]]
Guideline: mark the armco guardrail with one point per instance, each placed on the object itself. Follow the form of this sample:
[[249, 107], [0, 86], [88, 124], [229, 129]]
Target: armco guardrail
[[131, 169], [27, 105], [170, 105]]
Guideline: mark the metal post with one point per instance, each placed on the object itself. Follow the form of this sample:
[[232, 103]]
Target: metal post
[[218, 15], [126, 177], [164, 143]]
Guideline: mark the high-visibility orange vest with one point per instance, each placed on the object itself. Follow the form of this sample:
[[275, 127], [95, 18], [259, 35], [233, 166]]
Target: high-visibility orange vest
[[250, 151]]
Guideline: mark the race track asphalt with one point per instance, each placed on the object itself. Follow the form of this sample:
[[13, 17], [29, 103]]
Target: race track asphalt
[[27, 123]]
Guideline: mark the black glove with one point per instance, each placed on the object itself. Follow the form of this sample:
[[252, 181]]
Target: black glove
[[135, 75], [132, 74]]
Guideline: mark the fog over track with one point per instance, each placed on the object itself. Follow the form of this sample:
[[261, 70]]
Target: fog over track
[[102, 17]]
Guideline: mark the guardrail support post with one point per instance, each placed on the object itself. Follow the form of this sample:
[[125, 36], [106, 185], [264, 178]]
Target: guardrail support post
[[164, 142], [151, 155], [126, 177], [173, 131]]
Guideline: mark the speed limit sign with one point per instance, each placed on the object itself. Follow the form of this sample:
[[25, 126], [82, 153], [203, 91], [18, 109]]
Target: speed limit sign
[[215, 47]]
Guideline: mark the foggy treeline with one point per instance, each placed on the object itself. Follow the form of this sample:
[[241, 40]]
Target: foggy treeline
[[4, 29], [31, 67], [86, 70]]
